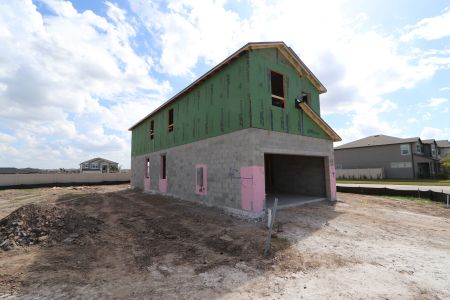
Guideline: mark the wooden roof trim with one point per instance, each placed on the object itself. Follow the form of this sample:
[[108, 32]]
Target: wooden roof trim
[[287, 52], [320, 122], [294, 63]]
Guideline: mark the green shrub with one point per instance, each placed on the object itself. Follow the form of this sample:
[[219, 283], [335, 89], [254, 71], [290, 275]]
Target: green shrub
[[443, 176]]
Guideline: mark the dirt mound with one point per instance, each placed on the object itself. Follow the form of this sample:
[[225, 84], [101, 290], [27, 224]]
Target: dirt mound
[[44, 224]]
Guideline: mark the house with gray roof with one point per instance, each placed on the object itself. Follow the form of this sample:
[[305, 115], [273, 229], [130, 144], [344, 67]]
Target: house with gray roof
[[443, 148], [99, 165], [398, 157]]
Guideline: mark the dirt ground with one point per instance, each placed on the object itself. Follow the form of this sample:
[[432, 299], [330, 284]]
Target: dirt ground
[[148, 246]]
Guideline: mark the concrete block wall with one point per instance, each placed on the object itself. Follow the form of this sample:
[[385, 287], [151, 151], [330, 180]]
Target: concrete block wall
[[223, 155], [235, 167]]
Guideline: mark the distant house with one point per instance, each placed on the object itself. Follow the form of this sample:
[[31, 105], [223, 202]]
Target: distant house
[[443, 148], [99, 165], [398, 157]]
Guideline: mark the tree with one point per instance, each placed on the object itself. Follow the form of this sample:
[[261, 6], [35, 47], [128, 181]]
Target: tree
[[113, 169], [445, 162]]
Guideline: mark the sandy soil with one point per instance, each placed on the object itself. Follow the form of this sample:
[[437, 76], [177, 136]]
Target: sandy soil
[[147, 246]]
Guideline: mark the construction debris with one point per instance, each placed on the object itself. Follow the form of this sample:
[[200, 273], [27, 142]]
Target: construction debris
[[44, 224]]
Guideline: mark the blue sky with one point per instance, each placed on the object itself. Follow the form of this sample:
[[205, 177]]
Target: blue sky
[[75, 75]]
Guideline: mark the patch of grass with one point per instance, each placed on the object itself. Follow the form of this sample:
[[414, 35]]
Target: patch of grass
[[67, 196], [420, 182], [279, 242], [406, 198]]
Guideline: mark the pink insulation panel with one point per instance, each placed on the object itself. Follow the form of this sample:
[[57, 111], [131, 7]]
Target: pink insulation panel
[[163, 185], [146, 184], [252, 188]]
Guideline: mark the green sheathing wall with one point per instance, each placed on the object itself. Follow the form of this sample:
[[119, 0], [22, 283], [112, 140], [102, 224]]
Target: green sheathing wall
[[267, 116], [219, 105]]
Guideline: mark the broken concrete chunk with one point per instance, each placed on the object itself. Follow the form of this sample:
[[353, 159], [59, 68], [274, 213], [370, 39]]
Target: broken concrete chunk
[[226, 238], [68, 240], [42, 238]]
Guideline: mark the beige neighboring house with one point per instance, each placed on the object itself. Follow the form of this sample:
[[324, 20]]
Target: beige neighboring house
[[99, 165]]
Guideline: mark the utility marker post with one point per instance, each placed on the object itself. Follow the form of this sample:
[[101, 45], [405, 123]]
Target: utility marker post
[[272, 221]]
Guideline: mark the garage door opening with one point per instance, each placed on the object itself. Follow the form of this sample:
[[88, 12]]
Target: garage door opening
[[294, 179]]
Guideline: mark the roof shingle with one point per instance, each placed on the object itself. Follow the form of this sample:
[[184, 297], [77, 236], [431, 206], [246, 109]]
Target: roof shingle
[[377, 140]]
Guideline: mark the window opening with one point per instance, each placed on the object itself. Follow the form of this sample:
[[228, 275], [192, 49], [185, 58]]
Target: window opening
[[277, 83], [152, 129], [170, 119], [147, 168], [163, 167]]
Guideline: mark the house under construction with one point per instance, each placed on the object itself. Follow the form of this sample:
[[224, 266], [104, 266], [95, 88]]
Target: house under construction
[[243, 133]]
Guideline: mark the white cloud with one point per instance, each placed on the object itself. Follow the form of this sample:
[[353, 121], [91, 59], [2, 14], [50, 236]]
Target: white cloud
[[412, 120], [76, 75], [6, 138], [358, 66], [426, 116], [368, 121], [57, 68], [191, 30], [444, 88], [435, 102], [429, 28], [435, 133]]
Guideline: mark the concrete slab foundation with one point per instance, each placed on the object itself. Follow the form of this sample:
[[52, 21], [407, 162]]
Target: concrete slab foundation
[[291, 200]]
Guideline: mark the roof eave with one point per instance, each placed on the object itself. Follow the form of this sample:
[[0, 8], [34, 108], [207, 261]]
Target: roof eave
[[320, 122]]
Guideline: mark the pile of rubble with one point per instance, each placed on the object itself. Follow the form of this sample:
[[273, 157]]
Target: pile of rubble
[[44, 224]]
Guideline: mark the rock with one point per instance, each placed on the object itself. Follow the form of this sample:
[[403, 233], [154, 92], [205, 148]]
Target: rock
[[279, 227], [68, 240], [8, 245], [226, 238], [74, 235], [164, 270], [42, 238]]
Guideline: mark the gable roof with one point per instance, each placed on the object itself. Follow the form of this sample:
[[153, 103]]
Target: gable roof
[[377, 140], [99, 158], [290, 55], [429, 141], [443, 144]]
